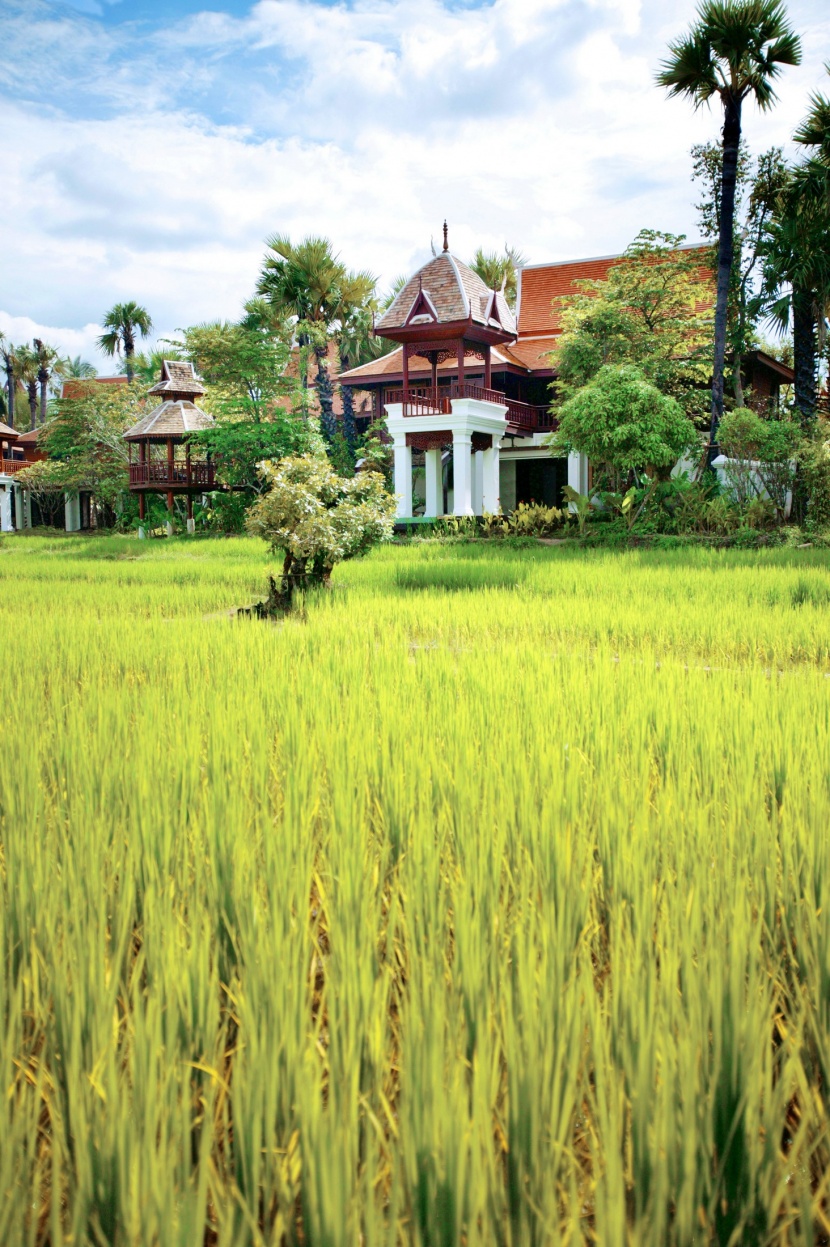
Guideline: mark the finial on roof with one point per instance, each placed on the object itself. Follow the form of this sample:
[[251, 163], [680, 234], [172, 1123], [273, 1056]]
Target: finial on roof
[[446, 242]]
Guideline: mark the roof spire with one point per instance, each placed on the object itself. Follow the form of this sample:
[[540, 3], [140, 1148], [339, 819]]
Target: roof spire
[[446, 243]]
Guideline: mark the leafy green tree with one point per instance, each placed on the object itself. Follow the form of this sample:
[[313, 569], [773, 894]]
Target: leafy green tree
[[84, 441], [500, 271], [316, 519], [309, 284], [734, 51], [757, 187], [624, 424], [763, 454], [123, 323], [650, 311]]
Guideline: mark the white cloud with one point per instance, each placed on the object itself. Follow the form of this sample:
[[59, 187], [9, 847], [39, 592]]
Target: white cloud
[[154, 169]]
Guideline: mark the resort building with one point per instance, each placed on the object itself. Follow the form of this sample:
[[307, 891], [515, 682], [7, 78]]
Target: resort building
[[466, 395]]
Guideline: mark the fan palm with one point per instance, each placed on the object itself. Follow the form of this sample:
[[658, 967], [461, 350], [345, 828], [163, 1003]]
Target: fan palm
[[47, 359], [78, 369], [309, 283], [500, 272], [734, 51], [123, 323], [9, 358], [27, 367], [814, 131]]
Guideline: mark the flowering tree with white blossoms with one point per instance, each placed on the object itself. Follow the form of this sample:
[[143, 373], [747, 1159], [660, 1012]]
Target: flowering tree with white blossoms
[[316, 519]]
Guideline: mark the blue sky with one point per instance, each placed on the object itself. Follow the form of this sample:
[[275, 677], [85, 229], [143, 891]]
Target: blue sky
[[149, 149]]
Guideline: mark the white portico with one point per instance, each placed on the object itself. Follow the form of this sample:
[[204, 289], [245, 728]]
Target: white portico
[[474, 428]]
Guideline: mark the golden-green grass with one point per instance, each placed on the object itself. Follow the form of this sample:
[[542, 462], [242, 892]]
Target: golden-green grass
[[486, 902]]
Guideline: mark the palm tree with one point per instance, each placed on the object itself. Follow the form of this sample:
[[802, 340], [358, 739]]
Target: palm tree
[[123, 322], [814, 130], [500, 272], [309, 283], [9, 358], [734, 51], [77, 369], [27, 367], [47, 358]]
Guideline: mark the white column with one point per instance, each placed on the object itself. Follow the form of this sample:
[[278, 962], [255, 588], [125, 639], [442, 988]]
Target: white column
[[22, 510], [578, 472], [191, 526], [6, 508], [462, 474], [478, 482], [403, 477], [72, 513], [434, 483], [491, 471]]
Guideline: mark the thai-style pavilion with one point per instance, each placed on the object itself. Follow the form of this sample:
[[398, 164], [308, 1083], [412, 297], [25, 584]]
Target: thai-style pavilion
[[463, 352], [164, 463]]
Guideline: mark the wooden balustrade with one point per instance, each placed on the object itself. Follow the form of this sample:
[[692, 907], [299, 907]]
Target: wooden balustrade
[[195, 475], [9, 466], [428, 401]]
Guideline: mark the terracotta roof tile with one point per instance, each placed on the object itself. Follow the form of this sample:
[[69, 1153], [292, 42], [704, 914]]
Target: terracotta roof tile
[[391, 365], [453, 292], [8, 432]]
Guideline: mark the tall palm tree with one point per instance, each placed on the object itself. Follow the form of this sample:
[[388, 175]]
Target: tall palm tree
[[734, 51], [500, 271], [123, 323], [9, 358], [814, 130], [27, 367], [309, 283], [47, 358]]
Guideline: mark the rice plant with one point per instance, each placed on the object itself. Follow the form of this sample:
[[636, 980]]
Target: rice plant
[[484, 901]]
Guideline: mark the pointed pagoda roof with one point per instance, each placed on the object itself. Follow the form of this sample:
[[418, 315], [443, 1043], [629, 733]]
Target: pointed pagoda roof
[[172, 418], [446, 292], [178, 380]]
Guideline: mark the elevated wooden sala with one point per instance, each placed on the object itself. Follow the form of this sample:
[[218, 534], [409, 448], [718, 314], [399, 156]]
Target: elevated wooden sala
[[165, 464], [445, 312]]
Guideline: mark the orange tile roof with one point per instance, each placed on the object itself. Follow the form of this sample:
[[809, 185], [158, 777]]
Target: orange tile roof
[[77, 387], [391, 365]]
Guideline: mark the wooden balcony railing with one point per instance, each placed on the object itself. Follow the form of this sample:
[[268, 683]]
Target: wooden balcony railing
[[9, 466], [195, 475], [523, 418]]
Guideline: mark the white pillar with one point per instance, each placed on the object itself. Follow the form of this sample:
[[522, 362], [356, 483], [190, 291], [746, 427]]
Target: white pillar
[[462, 474], [478, 482], [6, 508], [491, 483], [141, 532], [434, 483], [191, 526], [168, 528], [403, 477], [578, 472], [72, 513]]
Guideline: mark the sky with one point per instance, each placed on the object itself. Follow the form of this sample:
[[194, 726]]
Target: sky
[[148, 150]]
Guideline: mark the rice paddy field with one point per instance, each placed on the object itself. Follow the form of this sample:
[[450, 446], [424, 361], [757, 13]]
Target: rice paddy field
[[486, 901]]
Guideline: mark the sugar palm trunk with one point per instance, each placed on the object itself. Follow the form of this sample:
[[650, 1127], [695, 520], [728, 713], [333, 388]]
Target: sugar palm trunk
[[43, 378], [731, 144], [10, 387], [804, 355], [31, 387]]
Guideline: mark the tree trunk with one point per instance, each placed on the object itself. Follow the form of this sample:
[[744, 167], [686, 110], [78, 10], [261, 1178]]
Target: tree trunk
[[731, 144], [325, 395], [129, 352], [804, 356], [43, 378], [31, 386], [10, 388], [349, 427]]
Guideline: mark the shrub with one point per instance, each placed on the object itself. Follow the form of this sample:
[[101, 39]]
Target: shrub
[[814, 463], [762, 454], [316, 519], [623, 422]]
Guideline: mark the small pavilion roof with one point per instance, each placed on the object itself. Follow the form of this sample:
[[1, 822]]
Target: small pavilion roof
[[31, 437], [444, 292], [172, 418], [177, 378], [8, 432]]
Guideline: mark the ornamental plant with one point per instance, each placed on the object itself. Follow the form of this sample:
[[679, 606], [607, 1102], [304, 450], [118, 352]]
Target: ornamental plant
[[316, 519], [625, 424]]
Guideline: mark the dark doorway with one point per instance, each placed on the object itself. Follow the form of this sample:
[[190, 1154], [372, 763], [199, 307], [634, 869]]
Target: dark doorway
[[541, 480]]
